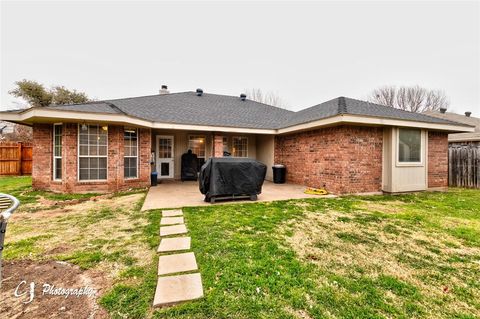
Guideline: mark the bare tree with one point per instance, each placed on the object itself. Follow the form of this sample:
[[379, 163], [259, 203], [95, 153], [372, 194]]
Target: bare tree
[[269, 98], [21, 133], [410, 98]]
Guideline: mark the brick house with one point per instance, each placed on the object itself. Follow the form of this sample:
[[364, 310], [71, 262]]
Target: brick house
[[344, 145]]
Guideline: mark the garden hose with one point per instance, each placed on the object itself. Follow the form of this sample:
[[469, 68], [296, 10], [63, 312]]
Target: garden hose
[[316, 191]]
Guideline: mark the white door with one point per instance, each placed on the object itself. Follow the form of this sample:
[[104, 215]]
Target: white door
[[165, 156]]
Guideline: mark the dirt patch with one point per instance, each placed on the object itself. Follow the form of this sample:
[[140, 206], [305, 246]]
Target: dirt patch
[[59, 274]]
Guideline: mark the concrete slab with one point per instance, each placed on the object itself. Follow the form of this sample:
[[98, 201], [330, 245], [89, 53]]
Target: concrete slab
[[186, 194], [174, 244], [172, 212], [170, 264], [174, 289], [171, 220], [173, 230]]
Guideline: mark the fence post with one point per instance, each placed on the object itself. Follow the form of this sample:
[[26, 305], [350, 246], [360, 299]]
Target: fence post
[[20, 158]]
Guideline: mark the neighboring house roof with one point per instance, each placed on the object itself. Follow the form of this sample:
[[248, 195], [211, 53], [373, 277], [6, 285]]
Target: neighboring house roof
[[6, 127], [187, 108], [459, 118]]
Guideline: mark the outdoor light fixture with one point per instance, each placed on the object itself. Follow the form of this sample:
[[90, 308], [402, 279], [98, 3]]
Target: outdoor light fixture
[[84, 126]]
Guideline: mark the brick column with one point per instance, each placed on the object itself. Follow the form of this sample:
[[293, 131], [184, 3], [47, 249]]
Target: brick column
[[42, 156], [217, 145], [69, 156]]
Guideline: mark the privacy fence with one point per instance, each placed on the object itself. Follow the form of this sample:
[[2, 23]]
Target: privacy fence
[[464, 164], [15, 158]]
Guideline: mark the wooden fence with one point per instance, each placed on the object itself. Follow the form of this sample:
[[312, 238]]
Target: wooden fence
[[464, 164], [15, 158]]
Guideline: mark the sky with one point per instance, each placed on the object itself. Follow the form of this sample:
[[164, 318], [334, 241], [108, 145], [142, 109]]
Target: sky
[[305, 52]]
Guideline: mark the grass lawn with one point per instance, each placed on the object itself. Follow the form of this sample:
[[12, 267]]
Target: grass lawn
[[413, 255]]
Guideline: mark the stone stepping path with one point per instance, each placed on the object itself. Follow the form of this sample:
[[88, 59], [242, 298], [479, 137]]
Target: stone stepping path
[[174, 244], [172, 286], [175, 289], [173, 230], [170, 264], [172, 212], [171, 220]]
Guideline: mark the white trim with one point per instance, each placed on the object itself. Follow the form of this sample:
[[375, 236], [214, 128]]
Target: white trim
[[54, 158], [157, 158], [422, 149], [90, 156], [233, 144], [138, 142], [48, 115]]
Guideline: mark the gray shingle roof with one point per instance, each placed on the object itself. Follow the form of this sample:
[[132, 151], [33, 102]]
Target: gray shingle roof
[[231, 111], [344, 105]]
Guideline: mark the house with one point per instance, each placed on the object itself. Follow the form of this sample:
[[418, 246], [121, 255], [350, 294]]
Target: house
[[6, 128], [344, 145], [464, 150]]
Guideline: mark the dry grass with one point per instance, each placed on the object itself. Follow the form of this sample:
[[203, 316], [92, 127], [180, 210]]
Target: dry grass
[[362, 244]]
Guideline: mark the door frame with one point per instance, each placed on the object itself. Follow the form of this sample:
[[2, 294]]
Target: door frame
[[171, 160]]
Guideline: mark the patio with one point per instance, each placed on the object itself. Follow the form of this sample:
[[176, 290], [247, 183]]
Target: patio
[[175, 194]]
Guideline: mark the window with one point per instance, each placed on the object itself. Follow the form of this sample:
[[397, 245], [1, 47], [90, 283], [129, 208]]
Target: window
[[130, 159], [409, 145], [197, 144], [240, 146], [92, 152], [57, 152]]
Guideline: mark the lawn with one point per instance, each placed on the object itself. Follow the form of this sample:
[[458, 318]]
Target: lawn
[[413, 255]]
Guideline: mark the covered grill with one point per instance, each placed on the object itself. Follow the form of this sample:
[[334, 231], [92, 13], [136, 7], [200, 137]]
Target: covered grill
[[231, 177]]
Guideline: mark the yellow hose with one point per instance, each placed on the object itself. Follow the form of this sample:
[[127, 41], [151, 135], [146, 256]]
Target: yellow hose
[[316, 191]]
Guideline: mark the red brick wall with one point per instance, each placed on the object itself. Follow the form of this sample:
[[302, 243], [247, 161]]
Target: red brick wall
[[437, 159], [217, 145], [343, 159], [42, 161]]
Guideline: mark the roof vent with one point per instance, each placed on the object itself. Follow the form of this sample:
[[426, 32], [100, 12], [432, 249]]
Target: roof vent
[[164, 90], [467, 114], [243, 96], [199, 92], [443, 110]]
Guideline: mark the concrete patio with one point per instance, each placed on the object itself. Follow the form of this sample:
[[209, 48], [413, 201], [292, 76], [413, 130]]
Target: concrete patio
[[174, 194]]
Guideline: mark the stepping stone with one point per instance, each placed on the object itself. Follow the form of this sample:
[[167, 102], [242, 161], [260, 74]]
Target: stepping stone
[[174, 244], [171, 220], [175, 289], [172, 212], [170, 264], [173, 230]]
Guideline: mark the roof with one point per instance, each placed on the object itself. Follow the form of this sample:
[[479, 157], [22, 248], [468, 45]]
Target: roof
[[344, 105], [187, 108], [459, 118]]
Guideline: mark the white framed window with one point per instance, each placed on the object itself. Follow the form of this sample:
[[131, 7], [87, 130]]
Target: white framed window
[[240, 146], [409, 146], [57, 152], [130, 157], [196, 143], [92, 152]]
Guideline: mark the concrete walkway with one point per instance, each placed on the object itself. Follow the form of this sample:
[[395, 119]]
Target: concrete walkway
[[178, 279], [171, 194]]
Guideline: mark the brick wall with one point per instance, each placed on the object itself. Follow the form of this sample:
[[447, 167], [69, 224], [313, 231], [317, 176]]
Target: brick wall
[[42, 161], [217, 145], [437, 159], [343, 159]]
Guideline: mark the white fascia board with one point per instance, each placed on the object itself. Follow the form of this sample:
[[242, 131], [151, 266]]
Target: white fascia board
[[367, 120]]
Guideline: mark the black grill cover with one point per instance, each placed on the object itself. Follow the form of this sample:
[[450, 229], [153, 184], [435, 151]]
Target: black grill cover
[[189, 166], [226, 176]]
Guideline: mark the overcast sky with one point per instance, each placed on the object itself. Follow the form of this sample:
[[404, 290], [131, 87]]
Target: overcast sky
[[305, 52]]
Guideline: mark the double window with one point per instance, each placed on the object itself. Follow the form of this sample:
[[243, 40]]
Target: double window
[[409, 145], [57, 152], [240, 146], [130, 159], [92, 152]]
